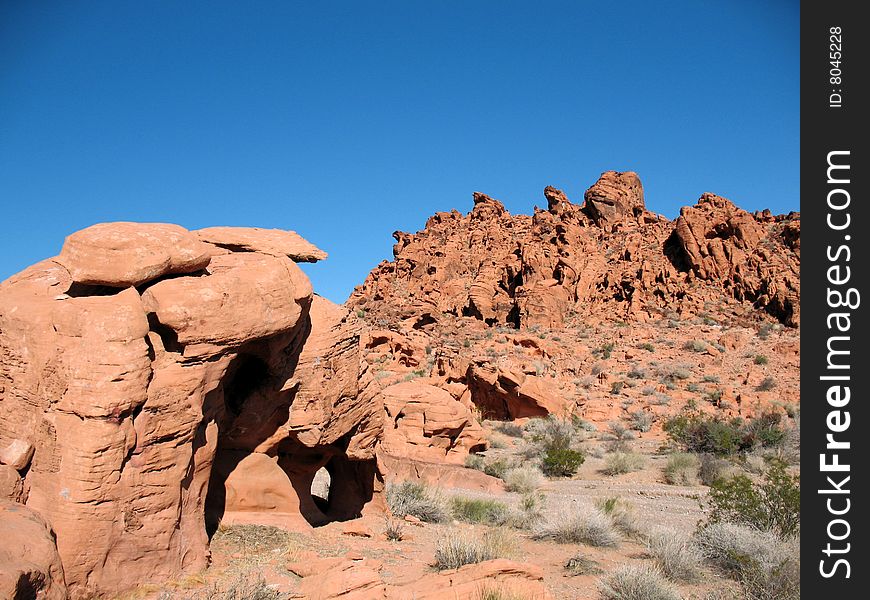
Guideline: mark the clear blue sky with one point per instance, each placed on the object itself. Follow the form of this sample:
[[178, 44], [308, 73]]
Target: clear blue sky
[[347, 120]]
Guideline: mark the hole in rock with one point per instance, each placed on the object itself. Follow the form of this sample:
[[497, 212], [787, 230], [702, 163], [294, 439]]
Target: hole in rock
[[83, 290], [168, 336], [320, 489], [246, 374]]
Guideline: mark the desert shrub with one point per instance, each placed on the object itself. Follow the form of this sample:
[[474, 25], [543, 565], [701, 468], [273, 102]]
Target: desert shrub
[[636, 582], [455, 549], [772, 505], [394, 529], [496, 468], [641, 420], [529, 513], [765, 430], [618, 436], [695, 346], [647, 346], [415, 499], [240, 587], [693, 387], [509, 429], [616, 387], [581, 525], [580, 564], [682, 469], [497, 442], [714, 468], [621, 515], [604, 351], [697, 433], [498, 593], [478, 510], [475, 461], [760, 359], [523, 479], [676, 555], [561, 462], [554, 439], [710, 379], [619, 463], [636, 373], [766, 567], [767, 384]]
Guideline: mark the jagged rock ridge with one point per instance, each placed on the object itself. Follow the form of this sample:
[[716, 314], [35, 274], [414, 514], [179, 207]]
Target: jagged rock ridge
[[609, 255]]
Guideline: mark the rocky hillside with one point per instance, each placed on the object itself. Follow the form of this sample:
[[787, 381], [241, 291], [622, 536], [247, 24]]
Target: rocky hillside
[[606, 258]]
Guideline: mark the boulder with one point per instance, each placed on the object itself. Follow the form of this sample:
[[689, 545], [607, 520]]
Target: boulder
[[124, 254], [425, 423], [274, 242], [29, 563]]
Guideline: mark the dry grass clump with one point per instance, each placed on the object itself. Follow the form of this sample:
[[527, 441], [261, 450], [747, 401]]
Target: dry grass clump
[[580, 525], [636, 582], [677, 555], [394, 529], [529, 513], [241, 587], [682, 469], [500, 593], [479, 510], [621, 514], [415, 499], [523, 479], [619, 463], [766, 567], [455, 549]]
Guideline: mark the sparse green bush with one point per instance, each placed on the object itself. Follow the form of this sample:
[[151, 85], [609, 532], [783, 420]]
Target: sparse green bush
[[479, 510], [710, 379], [616, 387], [636, 582], [561, 462], [455, 549], [581, 525], [773, 505], [682, 469], [697, 433], [676, 555], [647, 346], [619, 463], [760, 359], [604, 351], [415, 499], [523, 479]]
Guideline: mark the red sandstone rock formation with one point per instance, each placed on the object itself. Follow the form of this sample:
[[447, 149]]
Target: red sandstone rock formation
[[167, 382], [608, 257]]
